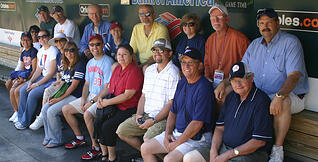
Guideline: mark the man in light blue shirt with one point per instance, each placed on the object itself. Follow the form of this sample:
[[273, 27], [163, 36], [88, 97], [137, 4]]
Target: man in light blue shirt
[[98, 26], [277, 60]]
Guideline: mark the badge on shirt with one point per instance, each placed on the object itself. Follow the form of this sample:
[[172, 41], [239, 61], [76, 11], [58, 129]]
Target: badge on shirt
[[218, 76]]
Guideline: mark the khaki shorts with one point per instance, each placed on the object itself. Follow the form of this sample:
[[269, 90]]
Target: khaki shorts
[[297, 104], [129, 128], [77, 105]]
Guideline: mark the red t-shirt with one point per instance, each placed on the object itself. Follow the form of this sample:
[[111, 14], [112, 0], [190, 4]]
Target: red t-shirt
[[129, 78]]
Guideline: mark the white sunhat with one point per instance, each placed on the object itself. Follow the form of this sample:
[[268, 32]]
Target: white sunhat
[[57, 36]]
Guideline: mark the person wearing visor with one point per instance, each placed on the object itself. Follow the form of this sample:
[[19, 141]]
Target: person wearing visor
[[59, 42], [46, 21], [244, 129], [190, 25], [277, 61], [64, 25], [159, 86], [145, 33], [192, 115]]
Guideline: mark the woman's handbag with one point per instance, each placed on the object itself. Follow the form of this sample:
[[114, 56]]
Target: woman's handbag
[[103, 114], [59, 92]]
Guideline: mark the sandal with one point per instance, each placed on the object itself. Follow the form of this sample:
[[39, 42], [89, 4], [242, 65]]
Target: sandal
[[115, 160], [104, 158]]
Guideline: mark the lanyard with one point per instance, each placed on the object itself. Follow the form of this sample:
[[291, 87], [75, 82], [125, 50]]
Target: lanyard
[[220, 57]]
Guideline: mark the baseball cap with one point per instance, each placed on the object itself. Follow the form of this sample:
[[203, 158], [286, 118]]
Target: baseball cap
[[57, 9], [43, 8], [96, 36], [239, 70], [192, 53], [268, 12], [116, 24], [26, 34], [58, 36], [162, 43], [219, 7]]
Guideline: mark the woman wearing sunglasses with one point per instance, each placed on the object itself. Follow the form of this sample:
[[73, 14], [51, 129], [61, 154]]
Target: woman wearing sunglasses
[[43, 76], [59, 42], [73, 76], [190, 25]]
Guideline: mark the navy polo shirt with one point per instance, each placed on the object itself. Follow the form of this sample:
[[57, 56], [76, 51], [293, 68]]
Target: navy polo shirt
[[246, 120]]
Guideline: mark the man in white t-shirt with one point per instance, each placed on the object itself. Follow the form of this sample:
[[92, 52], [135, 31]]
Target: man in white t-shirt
[[159, 86], [64, 25]]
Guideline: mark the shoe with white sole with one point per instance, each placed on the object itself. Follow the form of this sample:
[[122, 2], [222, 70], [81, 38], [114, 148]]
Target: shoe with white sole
[[277, 154], [38, 123], [19, 126], [14, 115]]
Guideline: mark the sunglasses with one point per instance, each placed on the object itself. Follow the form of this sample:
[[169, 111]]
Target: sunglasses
[[59, 40], [42, 36], [33, 31], [147, 14], [154, 51], [95, 44], [190, 24], [190, 63], [70, 50]]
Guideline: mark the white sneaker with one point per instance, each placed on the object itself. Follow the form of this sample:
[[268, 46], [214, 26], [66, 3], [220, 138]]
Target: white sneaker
[[16, 119], [38, 123], [14, 115], [277, 154]]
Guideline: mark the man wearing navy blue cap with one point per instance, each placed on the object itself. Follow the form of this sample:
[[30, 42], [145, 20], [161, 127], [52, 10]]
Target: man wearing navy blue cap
[[277, 61], [192, 115]]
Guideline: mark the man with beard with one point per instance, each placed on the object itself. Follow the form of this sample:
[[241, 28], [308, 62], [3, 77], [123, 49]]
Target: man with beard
[[160, 84]]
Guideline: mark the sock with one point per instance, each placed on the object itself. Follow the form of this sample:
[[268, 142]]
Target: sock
[[80, 137], [96, 148]]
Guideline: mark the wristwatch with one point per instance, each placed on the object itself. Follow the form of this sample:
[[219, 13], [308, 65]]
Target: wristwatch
[[236, 152], [279, 95], [92, 101], [154, 120]]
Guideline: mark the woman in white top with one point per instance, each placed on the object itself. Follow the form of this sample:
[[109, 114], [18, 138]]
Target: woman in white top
[[32, 92]]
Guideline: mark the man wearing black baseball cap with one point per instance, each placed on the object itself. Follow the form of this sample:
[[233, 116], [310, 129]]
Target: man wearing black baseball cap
[[247, 135], [46, 21], [191, 117], [64, 25], [277, 60]]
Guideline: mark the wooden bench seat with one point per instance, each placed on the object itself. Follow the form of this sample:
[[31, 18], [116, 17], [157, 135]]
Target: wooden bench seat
[[302, 138]]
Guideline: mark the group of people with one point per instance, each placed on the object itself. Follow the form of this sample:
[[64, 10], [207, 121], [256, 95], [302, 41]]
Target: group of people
[[223, 99]]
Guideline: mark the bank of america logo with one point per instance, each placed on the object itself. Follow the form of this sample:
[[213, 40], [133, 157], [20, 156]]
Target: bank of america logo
[[171, 22]]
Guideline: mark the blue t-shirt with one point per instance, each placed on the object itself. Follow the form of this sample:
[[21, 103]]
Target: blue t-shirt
[[246, 120], [77, 74], [98, 73], [27, 56], [111, 49], [197, 42], [199, 101]]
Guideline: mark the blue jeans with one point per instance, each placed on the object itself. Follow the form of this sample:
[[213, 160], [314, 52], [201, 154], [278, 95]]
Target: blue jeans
[[29, 101], [52, 121]]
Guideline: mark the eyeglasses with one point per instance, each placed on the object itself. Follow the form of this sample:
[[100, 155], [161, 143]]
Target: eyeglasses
[[147, 14], [219, 17], [157, 50], [42, 36], [59, 40], [70, 50], [190, 63], [190, 24], [95, 44]]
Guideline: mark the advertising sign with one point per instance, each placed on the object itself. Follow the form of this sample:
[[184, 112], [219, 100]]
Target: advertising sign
[[105, 9], [45, 1], [10, 37], [298, 20], [7, 6], [237, 4]]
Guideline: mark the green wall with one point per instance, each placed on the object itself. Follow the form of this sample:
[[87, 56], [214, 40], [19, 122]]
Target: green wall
[[241, 19]]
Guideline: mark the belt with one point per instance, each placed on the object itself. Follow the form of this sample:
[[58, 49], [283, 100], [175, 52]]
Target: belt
[[301, 96]]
